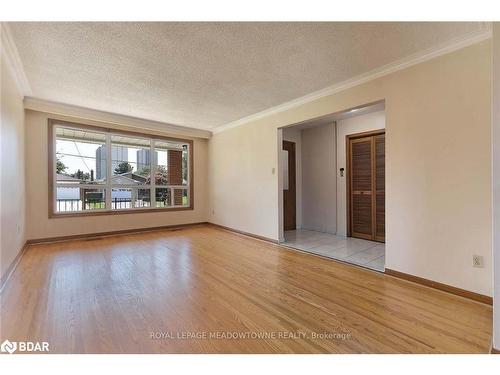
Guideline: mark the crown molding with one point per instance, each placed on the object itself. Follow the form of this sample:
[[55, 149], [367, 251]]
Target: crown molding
[[47, 106], [429, 54], [13, 61]]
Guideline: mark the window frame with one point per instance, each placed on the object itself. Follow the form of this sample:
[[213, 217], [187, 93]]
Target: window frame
[[108, 186]]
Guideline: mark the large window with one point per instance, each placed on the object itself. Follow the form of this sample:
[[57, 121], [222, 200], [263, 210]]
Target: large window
[[101, 171]]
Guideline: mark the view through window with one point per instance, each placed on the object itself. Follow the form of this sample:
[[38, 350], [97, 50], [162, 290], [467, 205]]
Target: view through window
[[103, 170]]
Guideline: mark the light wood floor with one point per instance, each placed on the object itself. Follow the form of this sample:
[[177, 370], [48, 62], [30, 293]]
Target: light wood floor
[[109, 295]]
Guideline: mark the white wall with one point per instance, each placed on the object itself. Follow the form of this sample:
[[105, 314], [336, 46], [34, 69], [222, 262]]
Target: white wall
[[38, 225], [353, 125], [12, 203], [496, 183], [294, 135], [438, 170], [243, 172], [319, 188]]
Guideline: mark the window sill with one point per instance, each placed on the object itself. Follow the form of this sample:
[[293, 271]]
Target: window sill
[[59, 215]]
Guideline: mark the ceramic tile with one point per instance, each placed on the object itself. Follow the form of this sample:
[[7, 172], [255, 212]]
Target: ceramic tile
[[354, 250], [378, 263], [367, 255]]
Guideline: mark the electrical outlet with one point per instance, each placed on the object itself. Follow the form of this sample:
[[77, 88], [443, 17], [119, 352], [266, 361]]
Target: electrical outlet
[[477, 261]]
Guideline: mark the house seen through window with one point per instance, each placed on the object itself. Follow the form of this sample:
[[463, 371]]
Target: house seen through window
[[100, 170]]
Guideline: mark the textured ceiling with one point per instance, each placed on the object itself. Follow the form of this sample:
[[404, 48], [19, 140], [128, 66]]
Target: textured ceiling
[[204, 75]]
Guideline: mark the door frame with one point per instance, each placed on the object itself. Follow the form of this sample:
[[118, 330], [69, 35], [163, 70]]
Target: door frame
[[294, 148], [348, 139]]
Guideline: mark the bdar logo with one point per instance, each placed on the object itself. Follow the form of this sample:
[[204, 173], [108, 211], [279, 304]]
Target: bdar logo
[[8, 347], [24, 346]]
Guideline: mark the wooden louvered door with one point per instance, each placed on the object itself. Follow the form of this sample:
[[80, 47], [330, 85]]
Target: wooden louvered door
[[379, 152], [361, 188], [366, 186]]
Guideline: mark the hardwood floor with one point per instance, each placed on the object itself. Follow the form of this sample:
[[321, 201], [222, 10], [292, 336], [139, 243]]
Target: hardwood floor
[[110, 295]]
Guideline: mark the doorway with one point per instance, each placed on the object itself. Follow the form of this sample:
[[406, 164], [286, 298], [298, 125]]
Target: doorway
[[313, 172], [366, 185], [289, 187]]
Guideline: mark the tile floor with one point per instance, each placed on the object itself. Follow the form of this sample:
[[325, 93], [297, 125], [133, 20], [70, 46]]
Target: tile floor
[[353, 250]]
